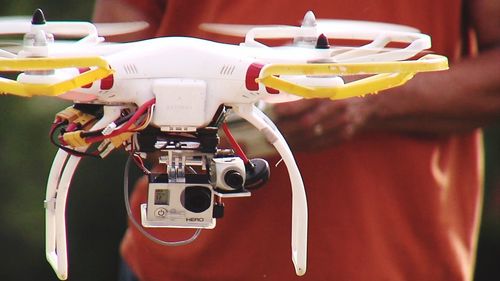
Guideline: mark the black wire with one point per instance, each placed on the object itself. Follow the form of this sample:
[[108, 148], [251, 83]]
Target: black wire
[[58, 127], [87, 134], [124, 119]]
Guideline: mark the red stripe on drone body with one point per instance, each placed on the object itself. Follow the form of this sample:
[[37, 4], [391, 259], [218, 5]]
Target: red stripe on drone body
[[252, 74], [107, 82], [83, 70], [272, 91]]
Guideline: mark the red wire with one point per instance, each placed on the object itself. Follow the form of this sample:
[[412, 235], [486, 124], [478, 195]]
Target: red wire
[[235, 144], [127, 125]]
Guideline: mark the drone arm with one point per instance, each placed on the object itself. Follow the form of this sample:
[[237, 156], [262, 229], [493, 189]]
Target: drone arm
[[299, 202]]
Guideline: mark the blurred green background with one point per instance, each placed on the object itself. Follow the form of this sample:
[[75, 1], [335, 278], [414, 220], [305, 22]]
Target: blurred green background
[[96, 216]]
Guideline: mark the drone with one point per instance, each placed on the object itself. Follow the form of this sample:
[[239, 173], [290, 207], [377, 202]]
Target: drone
[[166, 98]]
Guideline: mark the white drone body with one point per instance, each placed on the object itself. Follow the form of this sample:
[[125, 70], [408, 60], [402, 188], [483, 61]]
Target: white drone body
[[189, 79]]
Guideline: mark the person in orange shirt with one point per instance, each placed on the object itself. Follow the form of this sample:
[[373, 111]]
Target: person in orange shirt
[[394, 180]]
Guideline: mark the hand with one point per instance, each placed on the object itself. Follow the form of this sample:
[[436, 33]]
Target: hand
[[319, 123]]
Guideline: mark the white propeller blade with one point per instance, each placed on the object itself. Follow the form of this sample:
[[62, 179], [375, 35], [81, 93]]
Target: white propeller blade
[[117, 28], [363, 25], [236, 30], [22, 25]]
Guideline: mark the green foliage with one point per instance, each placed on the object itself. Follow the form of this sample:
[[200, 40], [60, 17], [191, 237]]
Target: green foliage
[[95, 214], [54, 10]]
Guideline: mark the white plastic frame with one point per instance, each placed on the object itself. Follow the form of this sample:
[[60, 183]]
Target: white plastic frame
[[299, 202], [373, 51], [61, 174]]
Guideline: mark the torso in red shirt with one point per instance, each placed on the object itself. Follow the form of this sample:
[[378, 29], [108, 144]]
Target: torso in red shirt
[[381, 207]]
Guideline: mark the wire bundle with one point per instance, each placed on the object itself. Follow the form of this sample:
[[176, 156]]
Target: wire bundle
[[70, 131]]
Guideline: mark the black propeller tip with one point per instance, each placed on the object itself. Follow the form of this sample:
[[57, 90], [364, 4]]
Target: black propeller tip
[[38, 17], [322, 42]]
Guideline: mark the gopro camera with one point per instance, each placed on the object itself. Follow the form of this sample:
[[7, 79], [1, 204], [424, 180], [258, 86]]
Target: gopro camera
[[189, 194], [179, 205], [195, 177]]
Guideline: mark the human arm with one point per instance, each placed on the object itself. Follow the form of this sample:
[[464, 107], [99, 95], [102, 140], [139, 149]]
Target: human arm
[[465, 97]]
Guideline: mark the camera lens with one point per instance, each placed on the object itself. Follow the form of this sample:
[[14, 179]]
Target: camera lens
[[196, 198], [234, 179]]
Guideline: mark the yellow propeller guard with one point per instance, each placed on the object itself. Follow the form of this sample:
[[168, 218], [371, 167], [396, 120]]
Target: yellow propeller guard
[[101, 69], [385, 75]]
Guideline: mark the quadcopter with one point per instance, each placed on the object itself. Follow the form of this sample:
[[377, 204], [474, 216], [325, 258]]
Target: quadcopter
[[166, 98]]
